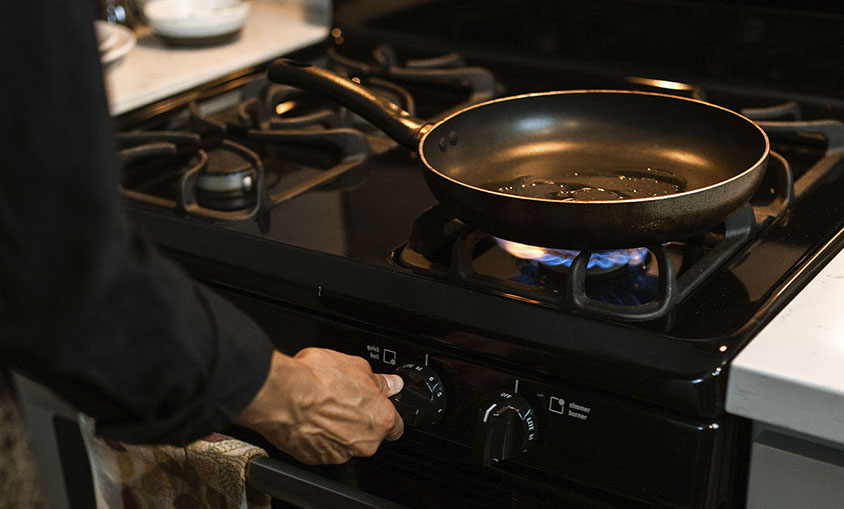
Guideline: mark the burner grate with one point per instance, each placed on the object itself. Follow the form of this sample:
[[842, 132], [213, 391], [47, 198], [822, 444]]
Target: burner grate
[[441, 73], [571, 291], [187, 180]]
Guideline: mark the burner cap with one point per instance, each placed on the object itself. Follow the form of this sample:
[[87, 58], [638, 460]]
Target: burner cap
[[228, 181], [226, 172]]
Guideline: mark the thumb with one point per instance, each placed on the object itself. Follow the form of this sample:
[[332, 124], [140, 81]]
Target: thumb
[[392, 384]]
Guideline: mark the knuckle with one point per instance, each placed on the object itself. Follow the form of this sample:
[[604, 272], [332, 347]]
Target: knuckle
[[367, 449], [379, 382], [386, 418], [361, 363], [397, 431], [307, 352]]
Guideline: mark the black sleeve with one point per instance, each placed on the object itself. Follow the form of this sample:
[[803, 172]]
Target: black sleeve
[[86, 306]]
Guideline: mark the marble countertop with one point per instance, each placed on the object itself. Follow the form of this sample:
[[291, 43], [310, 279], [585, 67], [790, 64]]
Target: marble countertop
[[152, 71], [792, 373]]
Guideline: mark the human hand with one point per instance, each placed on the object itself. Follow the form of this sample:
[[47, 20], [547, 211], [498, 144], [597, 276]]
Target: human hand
[[322, 406]]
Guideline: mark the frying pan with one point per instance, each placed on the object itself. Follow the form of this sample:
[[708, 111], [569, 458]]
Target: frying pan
[[585, 169]]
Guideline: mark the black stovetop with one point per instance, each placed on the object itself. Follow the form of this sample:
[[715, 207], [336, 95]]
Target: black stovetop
[[334, 251]]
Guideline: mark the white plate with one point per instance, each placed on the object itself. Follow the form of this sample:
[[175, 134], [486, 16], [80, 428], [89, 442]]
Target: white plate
[[114, 41], [189, 19]]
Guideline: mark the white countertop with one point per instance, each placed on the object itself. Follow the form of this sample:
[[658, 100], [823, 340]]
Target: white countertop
[[152, 71], [792, 373]]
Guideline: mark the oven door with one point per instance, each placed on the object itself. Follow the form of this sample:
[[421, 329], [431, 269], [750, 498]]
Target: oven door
[[414, 472], [307, 490]]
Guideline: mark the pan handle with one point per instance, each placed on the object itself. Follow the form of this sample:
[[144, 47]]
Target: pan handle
[[394, 121]]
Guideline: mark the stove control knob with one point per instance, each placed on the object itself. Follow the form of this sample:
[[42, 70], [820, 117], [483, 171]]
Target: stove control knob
[[422, 399], [505, 429]]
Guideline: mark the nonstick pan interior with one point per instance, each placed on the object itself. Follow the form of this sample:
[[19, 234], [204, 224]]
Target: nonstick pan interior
[[552, 137], [594, 169]]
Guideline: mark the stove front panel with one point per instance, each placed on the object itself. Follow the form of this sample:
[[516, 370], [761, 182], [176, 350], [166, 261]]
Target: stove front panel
[[585, 439]]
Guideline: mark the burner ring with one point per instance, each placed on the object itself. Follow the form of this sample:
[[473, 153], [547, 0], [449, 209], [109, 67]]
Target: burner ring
[[240, 180]]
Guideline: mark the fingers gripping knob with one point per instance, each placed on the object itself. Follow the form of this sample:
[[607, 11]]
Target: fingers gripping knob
[[422, 401]]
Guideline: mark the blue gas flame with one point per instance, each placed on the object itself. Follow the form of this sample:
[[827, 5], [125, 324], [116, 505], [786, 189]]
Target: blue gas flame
[[598, 260]]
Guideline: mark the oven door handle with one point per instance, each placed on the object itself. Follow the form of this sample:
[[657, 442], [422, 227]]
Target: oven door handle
[[307, 490]]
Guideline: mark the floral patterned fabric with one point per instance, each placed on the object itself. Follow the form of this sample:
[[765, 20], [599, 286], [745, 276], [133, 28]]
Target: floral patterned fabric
[[20, 486], [209, 473]]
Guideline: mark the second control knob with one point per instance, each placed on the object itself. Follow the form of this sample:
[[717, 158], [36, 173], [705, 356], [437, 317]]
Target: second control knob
[[506, 428], [422, 400]]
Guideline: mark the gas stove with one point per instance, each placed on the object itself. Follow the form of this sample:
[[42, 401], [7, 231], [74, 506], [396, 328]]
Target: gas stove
[[540, 376]]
